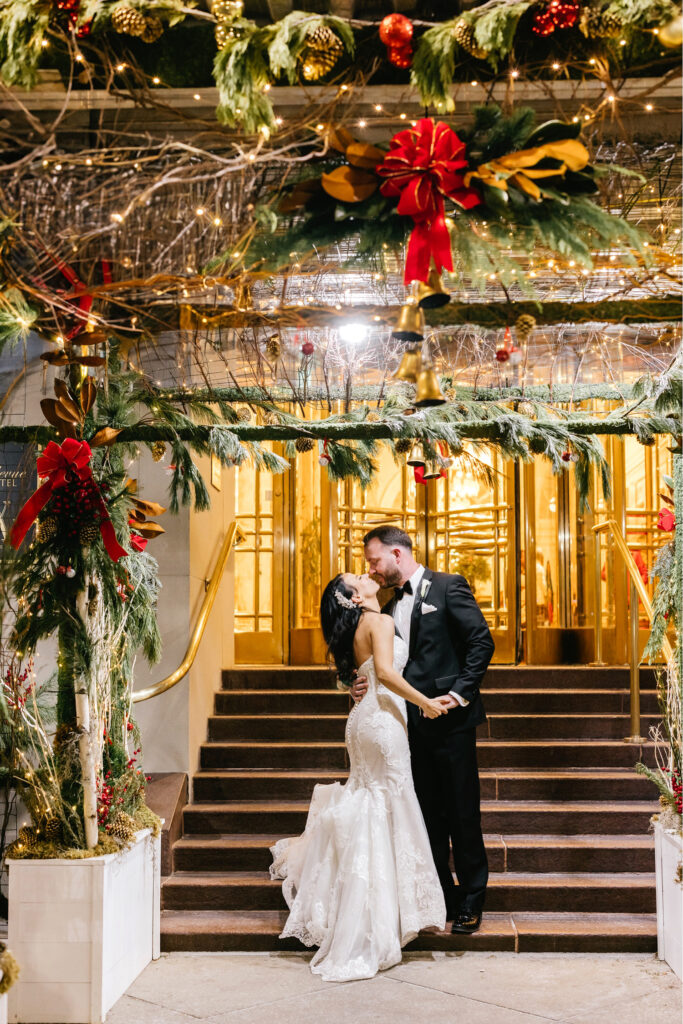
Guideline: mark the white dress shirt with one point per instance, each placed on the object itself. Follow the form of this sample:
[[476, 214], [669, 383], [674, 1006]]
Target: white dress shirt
[[402, 614]]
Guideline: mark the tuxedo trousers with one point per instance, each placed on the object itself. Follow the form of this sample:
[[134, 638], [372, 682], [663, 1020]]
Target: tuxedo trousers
[[446, 780]]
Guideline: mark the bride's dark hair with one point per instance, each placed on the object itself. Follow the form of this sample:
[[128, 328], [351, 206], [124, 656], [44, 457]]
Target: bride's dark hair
[[339, 625]]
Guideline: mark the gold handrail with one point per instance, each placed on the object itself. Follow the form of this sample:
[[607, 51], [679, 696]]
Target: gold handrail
[[637, 591], [234, 535]]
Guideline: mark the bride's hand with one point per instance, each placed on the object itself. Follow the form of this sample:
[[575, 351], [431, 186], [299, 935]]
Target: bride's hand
[[433, 708]]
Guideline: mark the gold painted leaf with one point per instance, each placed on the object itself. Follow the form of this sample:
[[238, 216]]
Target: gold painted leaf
[[349, 185], [88, 393], [338, 138], [149, 508], [104, 436], [362, 154], [149, 530]]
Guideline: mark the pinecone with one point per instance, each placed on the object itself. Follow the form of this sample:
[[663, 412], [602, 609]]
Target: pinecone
[[526, 409], [524, 325], [47, 528], [647, 442], [403, 445], [244, 415], [464, 36], [600, 24], [52, 830], [537, 445], [154, 28], [27, 837], [304, 444], [273, 348], [158, 451], [88, 534], [123, 827], [129, 21], [322, 51]]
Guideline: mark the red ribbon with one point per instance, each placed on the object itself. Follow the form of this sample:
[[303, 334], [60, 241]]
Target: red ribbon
[[422, 167], [61, 465]]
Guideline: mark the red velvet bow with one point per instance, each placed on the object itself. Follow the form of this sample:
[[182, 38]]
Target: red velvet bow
[[61, 465], [422, 167], [666, 520]]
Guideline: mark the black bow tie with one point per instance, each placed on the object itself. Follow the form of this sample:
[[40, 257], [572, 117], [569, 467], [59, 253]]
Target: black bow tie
[[405, 589]]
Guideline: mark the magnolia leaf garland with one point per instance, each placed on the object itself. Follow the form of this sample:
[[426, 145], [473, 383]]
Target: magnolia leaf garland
[[536, 182]]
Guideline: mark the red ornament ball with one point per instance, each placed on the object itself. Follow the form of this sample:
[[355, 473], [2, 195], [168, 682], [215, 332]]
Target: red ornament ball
[[565, 14], [502, 355], [566, 456], [400, 57], [308, 348], [396, 30], [543, 24]]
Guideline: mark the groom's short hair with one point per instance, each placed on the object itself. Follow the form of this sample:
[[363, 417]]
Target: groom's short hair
[[392, 536]]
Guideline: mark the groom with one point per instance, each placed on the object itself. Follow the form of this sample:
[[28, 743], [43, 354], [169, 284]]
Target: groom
[[450, 647]]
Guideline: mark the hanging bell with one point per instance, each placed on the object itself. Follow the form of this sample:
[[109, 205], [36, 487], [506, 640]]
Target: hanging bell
[[433, 470], [410, 367], [411, 323], [428, 389], [432, 294], [417, 456]]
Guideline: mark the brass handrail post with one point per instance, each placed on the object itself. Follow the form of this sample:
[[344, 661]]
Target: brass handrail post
[[234, 535], [597, 624], [634, 661], [637, 591]]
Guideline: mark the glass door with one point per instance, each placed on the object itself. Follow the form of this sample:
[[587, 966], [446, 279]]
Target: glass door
[[261, 569]]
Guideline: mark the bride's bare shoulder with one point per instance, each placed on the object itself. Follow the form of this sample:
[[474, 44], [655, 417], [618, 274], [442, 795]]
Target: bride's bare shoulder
[[379, 625]]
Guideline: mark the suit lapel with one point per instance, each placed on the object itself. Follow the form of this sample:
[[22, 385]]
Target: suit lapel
[[416, 613]]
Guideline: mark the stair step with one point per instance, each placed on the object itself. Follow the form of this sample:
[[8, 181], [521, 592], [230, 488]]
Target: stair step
[[540, 754], [332, 727], [510, 784], [317, 677], [498, 701], [562, 893], [508, 852], [520, 932], [502, 816]]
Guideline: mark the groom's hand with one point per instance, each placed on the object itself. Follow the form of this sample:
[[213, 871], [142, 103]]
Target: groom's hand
[[359, 688], [447, 702]]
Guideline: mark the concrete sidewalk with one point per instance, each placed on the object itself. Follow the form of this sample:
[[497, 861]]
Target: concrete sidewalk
[[436, 988]]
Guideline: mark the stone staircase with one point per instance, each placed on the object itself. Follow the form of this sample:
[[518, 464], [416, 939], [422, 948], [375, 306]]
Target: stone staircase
[[565, 816]]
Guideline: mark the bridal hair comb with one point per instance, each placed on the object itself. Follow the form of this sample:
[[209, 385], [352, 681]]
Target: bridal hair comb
[[343, 600]]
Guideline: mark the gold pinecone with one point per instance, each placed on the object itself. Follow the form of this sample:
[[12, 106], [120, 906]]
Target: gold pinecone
[[129, 21], [52, 830], [647, 442], [600, 24], [322, 51], [158, 451], [88, 534], [464, 36], [244, 415], [273, 347], [27, 837], [154, 28], [524, 325], [537, 444], [403, 445], [123, 827], [304, 444], [47, 528]]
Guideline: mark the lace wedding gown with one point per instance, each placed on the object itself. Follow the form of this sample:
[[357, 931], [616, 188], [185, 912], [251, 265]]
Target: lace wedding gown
[[360, 881]]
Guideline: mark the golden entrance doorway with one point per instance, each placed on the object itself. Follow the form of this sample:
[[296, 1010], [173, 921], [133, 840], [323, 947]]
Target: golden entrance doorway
[[515, 531]]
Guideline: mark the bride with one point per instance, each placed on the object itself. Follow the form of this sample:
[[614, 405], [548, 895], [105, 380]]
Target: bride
[[360, 881]]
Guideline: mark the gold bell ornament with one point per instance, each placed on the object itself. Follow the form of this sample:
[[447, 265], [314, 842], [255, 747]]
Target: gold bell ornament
[[432, 470], [417, 456], [428, 388], [671, 35], [432, 294], [411, 323], [410, 367]]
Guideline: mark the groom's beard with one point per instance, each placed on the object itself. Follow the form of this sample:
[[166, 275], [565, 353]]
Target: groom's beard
[[392, 578]]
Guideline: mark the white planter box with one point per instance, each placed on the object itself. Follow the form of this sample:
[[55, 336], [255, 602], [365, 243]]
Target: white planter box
[[82, 931], [668, 856]]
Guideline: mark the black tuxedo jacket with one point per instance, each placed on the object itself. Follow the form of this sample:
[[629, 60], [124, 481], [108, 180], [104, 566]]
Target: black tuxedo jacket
[[450, 649]]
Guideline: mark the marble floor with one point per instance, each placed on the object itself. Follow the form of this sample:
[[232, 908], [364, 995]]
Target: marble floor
[[479, 988]]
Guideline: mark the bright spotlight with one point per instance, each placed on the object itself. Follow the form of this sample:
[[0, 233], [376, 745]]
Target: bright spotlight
[[353, 333]]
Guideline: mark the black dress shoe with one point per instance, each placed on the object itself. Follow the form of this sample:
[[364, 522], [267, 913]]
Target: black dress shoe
[[465, 923]]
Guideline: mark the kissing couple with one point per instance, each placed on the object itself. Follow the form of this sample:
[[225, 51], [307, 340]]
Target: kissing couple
[[371, 868]]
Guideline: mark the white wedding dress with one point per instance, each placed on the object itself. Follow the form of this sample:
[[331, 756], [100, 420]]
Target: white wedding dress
[[360, 881]]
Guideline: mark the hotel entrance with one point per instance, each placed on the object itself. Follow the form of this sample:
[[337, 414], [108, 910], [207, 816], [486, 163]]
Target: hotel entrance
[[514, 530]]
